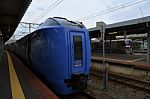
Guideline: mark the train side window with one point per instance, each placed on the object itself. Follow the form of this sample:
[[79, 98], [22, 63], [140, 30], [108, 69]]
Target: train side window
[[78, 52], [35, 36]]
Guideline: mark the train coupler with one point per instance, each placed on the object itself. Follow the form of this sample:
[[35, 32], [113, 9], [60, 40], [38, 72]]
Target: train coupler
[[77, 81]]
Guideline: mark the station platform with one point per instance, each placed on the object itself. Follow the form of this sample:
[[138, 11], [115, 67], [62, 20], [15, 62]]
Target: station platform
[[18, 82], [137, 61]]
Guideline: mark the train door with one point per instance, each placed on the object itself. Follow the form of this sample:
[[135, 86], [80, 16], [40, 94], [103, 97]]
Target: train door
[[78, 47]]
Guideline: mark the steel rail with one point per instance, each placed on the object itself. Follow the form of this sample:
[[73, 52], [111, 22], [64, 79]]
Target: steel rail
[[130, 82]]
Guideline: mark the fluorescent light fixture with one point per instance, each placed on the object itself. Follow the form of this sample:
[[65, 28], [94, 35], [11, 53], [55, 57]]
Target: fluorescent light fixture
[[112, 33]]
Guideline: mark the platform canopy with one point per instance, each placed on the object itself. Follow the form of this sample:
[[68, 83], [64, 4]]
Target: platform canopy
[[11, 12], [135, 26]]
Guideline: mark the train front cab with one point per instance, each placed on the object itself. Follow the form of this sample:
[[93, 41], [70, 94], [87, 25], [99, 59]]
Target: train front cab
[[79, 60]]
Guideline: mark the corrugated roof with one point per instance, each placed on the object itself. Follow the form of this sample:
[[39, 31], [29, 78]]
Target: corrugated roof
[[11, 12], [135, 26]]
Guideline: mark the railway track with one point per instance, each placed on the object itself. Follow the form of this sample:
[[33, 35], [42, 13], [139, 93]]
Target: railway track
[[89, 96], [128, 81], [80, 95]]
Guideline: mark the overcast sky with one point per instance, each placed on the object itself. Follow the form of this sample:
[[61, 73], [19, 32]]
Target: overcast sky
[[77, 9]]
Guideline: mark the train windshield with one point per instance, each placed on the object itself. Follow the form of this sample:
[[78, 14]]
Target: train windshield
[[78, 53], [51, 22], [66, 22]]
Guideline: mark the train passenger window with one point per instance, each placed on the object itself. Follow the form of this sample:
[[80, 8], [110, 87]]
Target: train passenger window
[[78, 52]]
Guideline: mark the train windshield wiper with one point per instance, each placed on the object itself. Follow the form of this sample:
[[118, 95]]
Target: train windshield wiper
[[76, 24]]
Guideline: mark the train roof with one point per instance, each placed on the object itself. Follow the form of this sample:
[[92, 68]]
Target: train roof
[[57, 21]]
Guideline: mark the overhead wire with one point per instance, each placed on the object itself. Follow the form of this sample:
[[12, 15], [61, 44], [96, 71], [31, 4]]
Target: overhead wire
[[45, 11], [50, 8], [111, 9]]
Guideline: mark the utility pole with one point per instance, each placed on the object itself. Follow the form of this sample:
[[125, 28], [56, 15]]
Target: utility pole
[[29, 28], [104, 69], [104, 63]]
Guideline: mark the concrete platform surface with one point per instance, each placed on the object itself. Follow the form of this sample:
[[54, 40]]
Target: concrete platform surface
[[18, 82], [138, 61]]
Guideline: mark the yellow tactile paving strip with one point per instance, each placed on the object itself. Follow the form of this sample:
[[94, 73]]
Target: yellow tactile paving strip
[[17, 92]]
